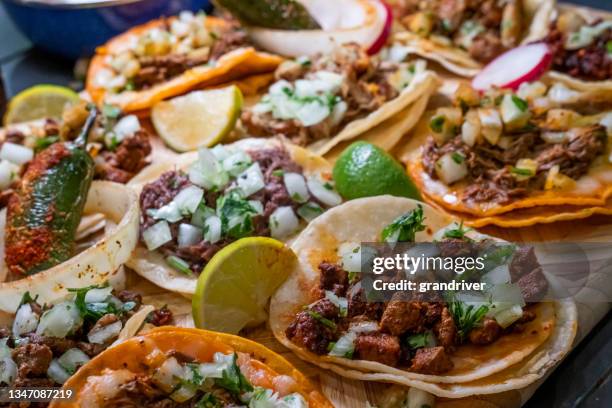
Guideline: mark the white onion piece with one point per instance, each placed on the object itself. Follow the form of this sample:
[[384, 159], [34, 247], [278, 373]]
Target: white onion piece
[[350, 253], [325, 195], [345, 345], [257, 206], [126, 126], [188, 235], [363, 327], [59, 321], [57, 373], [237, 162], [497, 275], [15, 153], [169, 212], [8, 171], [508, 316], [251, 180], [449, 171], [8, 371], [104, 334], [212, 229], [340, 302], [157, 235], [296, 187], [168, 374], [188, 199], [98, 295], [283, 222], [25, 321], [72, 359]]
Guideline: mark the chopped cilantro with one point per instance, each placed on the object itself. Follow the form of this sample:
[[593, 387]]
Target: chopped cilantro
[[111, 111], [233, 380], [466, 317], [420, 340], [114, 143], [278, 173], [437, 123], [43, 142], [208, 401], [521, 104], [213, 35], [521, 172], [457, 233], [609, 47], [179, 264], [457, 157], [92, 311], [331, 345], [353, 276], [324, 321], [27, 298], [405, 227], [236, 215]]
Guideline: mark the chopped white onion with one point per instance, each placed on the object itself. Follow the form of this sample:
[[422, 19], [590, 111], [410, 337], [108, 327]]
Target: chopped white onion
[[212, 229], [169, 212], [363, 327], [15, 153], [251, 180], [104, 334], [560, 93], [448, 170], [294, 400], [325, 195], [257, 206], [126, 126], [554, 137], [98, 295], [296, 187], [168, 374], [57, 373], [188, 199], [350, 253], [8, 171], [497, 275], [283, 222], [309, 211], [157, 235], [491, 124], [25, 321], [8, 371], [345, 345], [237, 163], [72, 359], [188, 235], [59, 321], [207, 172], [508, 316], [418, 398], [340, 302]]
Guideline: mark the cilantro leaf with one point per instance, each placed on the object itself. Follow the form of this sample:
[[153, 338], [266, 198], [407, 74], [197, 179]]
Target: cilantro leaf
[[436, 124], [457, 233], [236, 215], [466, 317], [521, 104], [324, 321], [420, 340], [233, 380], [405, 227]]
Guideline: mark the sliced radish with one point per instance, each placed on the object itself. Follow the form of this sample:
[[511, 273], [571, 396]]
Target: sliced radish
[[512, 68], [365, 22]]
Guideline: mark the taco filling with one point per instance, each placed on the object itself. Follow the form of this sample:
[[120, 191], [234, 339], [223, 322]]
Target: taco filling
[[229, 193], [485, 29], [315, 98], [167, 50], [416, 331], [46, 344], [504, 145], [581, 50]]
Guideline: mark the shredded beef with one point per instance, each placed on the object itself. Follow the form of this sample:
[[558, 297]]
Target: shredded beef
[[431, 360], [381, 347], [161, 317]]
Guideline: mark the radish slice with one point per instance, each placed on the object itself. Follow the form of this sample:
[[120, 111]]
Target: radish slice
[[509, 70], [366, 22]]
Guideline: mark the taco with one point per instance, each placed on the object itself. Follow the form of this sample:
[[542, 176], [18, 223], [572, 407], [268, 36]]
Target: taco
[[543, 145], [43, 344], [194, 206], [463, 36], [323, 100], [170, 56], [168, 366], [321, 311], [581, 45]]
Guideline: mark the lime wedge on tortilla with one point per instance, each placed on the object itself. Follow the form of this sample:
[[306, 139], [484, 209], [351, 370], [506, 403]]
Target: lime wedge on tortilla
[[233, 290], [365, 170], [200, 118], [39, 102]]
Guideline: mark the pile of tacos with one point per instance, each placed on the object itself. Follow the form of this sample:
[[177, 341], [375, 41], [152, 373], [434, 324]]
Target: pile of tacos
[[196, 132]]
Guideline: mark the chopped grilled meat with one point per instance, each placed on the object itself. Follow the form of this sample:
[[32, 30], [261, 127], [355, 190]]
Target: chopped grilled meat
[[446, 330], [32, 359], [487, 333], [533, 285], [14, 136], [126, 160], [381, 347], [523, 261], [359, 305], [401, 315], [333, 278], [161, 317], [431, 360]]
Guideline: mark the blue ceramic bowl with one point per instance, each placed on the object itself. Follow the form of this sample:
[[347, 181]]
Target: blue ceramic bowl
[[74, 28]]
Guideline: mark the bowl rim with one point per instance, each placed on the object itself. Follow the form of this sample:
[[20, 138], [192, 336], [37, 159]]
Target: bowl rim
[[71, 4]]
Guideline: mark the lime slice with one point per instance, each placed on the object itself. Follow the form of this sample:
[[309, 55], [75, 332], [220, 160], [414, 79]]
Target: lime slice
[[38, 102], [200, 118], [365, 170], [235, 286]]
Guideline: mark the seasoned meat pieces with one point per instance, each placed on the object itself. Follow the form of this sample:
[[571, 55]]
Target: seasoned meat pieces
[[533, 285], [431, 360], [523, 261], [400, 316], [358, 305], [445, 329], [32, 359], [333, 278], [381, 347], [310, 330], [128, 159], [487, 333]]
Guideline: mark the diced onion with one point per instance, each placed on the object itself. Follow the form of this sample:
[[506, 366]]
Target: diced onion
[[560, 93], [98, 295], [554, 137], [345, 345], [491, 124], [8, 371], [8, 171], [105, 334], [251, 180], [60, 321], [283, 222], [296, 187], [57, 373], [188, 199], [200, 215], [364, 327], [511, 112], [168, 374], [470, 129], [212, 229], [325, 195], [497, 275], [127, 126], [350, 253], [72, 359], [294, 400], [449, 171], [15, 153], [531, 90], [157, 235], [25, 321], [310, 211], [508, 316], [237, 163], [188, 235], [169, 212], [340, 302], [257, 206], [184, 393]]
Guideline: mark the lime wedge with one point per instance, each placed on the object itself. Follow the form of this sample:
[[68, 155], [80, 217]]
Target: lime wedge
[[38, 102], [200, 118], [233, 290], [365, 170]]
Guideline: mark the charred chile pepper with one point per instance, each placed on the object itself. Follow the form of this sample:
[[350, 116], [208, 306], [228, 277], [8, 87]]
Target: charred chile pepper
[[44, 213]]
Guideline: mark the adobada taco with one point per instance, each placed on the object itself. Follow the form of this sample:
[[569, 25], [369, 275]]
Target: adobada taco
[[544, 145], [43, 344], [321, 311], [323, 100], [170, 56], [177, 365], [194, 206], [580, 42], [463, 36]]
